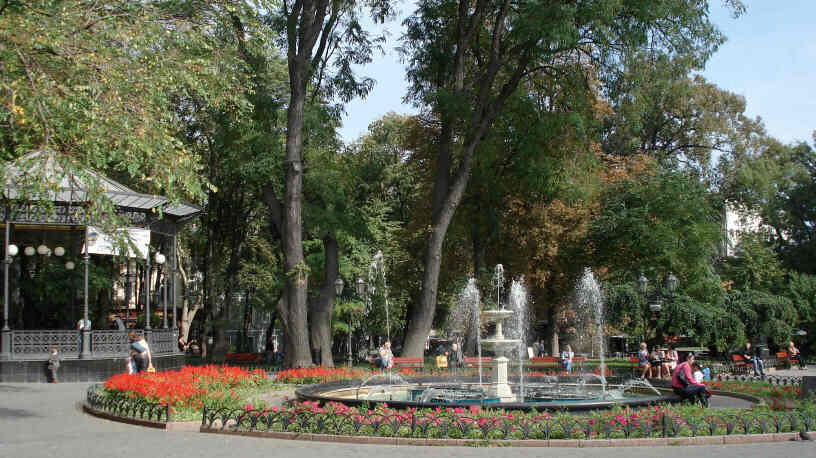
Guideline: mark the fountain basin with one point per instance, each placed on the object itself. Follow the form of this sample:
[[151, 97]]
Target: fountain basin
[[547, 393], [493, 316]]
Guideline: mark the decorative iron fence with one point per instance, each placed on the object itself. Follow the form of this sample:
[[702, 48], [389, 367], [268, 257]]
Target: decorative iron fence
[[163, 341], [129, 408], [38, 344], [433, 426], [35, 345]]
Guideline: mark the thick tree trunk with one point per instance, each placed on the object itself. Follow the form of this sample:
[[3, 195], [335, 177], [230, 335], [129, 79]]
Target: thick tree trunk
[[297, 279], [422, 317], [321, 314]]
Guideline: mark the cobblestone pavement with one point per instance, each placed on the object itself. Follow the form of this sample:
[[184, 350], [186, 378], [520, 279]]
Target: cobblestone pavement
[[45, 420]]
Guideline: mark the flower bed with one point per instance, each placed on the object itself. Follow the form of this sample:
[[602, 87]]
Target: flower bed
[[188, 390], [475, 423]]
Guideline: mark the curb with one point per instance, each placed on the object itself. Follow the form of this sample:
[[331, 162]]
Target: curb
[[552, 443]]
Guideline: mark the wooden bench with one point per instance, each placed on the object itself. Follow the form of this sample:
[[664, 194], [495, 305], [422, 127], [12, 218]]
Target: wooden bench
[[473, 361], [406, 361], [403, 361], [784, 358], [545, 362], [634, 365], [740, 365], [578, 363], [243, 357]]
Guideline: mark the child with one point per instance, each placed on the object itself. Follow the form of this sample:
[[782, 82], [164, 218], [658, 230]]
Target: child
[[698, 373], [53, 365]]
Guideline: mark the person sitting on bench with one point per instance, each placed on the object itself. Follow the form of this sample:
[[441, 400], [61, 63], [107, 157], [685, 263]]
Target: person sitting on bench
[[684, 384], [795, 355], [752, 355]]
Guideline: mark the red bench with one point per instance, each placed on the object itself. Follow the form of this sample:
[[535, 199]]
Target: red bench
[[473, 361], [545, 362], [634, 365], [244, 357], [403, 361], [739, 364]]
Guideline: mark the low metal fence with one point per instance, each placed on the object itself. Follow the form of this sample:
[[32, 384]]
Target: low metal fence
[[433, 426], [129, 408]]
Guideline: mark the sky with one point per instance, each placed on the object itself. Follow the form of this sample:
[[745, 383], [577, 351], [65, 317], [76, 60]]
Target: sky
[[769, 58]]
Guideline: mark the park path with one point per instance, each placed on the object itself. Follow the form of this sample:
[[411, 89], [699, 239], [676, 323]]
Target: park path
[[45, 420]]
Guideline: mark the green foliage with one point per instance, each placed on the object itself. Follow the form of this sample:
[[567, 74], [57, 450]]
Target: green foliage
[[763, 314], [754, 265], [657, 223], [98, 81]]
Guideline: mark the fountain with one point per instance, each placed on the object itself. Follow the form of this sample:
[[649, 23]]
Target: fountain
[[573, 392], [376, 275]]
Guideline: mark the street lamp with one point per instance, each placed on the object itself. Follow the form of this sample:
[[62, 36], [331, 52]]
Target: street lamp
[[338, 289], [159, 260], [655, 301]]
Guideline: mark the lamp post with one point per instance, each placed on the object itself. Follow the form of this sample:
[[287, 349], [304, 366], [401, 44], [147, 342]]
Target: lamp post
[[655, 301], [5, 338], [159, 259]]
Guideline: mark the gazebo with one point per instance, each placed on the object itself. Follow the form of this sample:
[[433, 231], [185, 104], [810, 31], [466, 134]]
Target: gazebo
[[57, 217]]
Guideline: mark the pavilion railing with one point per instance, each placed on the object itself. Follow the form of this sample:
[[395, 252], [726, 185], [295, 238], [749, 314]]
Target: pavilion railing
[[37, 344]]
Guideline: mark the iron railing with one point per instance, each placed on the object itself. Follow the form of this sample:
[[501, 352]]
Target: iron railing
[[430, 425], [37, 344], [126, 407]]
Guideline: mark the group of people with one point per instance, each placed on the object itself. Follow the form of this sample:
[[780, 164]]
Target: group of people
[[752, 355], [686, 377], [661, 361]]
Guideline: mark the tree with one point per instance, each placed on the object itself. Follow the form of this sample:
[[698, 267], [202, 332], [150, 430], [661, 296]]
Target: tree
[[655, 222], [95, 81], [314, 31], [661, 110], [467, 59]]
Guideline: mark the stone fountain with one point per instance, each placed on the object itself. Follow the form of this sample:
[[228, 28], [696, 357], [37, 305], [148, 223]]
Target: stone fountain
[[498, 386]]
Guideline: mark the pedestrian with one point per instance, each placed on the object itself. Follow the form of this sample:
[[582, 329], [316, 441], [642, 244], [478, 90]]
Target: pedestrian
[[140, 351], [643, 360], [53, 365], [82, 325], [566, 358]]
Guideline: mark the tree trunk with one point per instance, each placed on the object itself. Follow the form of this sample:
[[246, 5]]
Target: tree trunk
[[320, 318], [297, 279], [422, 317]]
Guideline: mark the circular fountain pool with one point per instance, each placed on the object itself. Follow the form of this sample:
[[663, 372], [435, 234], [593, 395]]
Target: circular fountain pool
[[584, 392]]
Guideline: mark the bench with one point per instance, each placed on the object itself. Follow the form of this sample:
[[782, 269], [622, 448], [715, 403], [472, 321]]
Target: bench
[[243, 357], [406, 361], [473, 361], [403, 361], [634, 365], [578, 363], [545, 362], [740, 365]]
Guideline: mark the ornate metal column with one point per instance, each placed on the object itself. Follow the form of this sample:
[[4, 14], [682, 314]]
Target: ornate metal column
[[173, 278], [85, 333], [147, 291], [5, 338]]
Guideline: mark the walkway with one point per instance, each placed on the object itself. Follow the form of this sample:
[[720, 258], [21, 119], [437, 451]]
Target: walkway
[[44, 420]]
